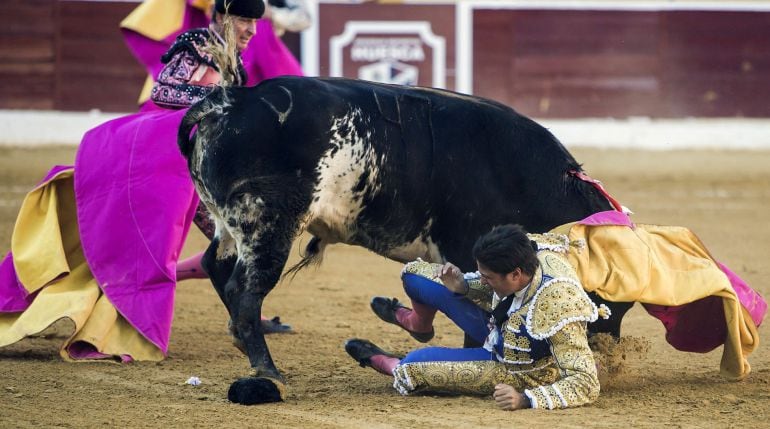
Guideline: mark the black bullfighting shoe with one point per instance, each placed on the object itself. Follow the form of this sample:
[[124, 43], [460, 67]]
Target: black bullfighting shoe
[[385, 309], [363, 351]]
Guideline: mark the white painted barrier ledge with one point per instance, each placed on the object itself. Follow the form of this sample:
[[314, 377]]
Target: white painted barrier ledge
[[25, 128], [663, 134], [48, 127]]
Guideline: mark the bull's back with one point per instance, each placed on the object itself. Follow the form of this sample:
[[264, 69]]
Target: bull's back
[[452, 146], [458, 121]]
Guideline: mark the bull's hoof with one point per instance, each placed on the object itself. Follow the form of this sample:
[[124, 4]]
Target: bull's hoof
[[255, 390]]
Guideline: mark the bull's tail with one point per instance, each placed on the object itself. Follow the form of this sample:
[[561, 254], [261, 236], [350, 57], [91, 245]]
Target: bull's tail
[[214, 102], [313, 256], [598, 186]]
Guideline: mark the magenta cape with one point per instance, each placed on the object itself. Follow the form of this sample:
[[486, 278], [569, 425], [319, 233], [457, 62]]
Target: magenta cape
[[135, 203], [698, 326], [267, 57]]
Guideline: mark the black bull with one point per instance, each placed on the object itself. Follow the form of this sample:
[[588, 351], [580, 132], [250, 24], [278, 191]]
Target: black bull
[[405, 172]]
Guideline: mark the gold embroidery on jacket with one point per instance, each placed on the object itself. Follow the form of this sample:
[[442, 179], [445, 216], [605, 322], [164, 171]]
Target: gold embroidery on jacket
[[558, 302], [421, 268], [515, 342]]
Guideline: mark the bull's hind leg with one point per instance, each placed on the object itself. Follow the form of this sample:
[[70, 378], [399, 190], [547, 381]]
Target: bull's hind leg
[[612, 325]]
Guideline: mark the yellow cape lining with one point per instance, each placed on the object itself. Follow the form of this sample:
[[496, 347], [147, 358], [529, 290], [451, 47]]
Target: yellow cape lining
[[48, 258]]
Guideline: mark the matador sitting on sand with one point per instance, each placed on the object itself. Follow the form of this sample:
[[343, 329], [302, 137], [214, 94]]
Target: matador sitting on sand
[[527, 304]]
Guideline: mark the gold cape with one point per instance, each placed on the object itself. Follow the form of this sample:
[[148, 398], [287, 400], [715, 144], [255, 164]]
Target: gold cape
[[662, 265]]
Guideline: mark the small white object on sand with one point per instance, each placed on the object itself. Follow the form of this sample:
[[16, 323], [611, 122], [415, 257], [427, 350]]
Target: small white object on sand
[[193, 381]]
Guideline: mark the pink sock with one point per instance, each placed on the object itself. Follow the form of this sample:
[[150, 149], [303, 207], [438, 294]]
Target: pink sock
[[190, 268], [384, 364], [420, 319]]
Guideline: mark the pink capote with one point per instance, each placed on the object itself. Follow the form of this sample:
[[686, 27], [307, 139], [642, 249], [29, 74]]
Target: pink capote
[[135, 203], [698, 326]]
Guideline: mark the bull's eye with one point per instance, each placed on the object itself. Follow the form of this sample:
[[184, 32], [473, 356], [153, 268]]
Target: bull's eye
[[237, 197]]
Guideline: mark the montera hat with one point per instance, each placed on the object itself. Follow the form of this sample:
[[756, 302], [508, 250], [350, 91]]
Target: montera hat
[[244, 8]]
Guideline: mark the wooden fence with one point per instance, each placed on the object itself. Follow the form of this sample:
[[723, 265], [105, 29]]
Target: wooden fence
[[69, 55]]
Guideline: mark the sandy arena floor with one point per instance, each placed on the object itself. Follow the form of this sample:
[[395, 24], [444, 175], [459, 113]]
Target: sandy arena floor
[[722, 196]]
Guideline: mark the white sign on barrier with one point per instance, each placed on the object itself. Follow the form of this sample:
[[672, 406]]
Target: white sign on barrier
[[389, 52]]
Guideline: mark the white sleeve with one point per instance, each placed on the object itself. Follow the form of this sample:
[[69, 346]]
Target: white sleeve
[[294, 17]]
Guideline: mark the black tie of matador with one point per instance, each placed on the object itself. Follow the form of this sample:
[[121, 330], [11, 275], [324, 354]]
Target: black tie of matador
[[500, 313]]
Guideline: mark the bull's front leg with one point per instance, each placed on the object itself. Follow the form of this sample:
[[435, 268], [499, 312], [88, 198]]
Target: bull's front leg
[[219, 263], [244, 296], [257, 220], [263, 249]]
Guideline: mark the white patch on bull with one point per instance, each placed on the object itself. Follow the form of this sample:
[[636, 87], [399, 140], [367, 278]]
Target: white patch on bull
[[226, 246], [246, 210], [335, 203], [422, 247]]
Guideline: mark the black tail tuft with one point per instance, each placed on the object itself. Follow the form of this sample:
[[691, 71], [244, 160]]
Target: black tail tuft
[[313, 255]]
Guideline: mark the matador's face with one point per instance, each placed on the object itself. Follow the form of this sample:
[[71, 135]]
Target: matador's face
[[245, 29], [503, 284]]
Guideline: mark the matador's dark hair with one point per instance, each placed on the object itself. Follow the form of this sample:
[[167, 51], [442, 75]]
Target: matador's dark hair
[[505, 248]]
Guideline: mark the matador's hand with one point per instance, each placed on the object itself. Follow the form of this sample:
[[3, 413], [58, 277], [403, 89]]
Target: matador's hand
[[508, 398], [451, 277]]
